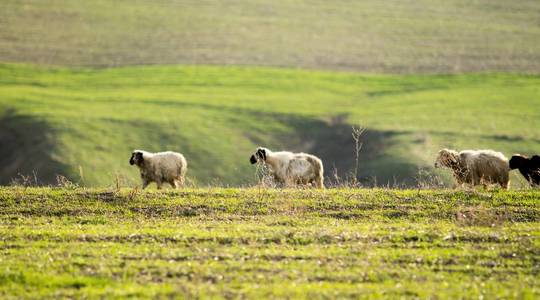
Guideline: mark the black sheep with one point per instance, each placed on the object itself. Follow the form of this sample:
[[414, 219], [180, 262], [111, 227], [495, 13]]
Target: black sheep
[[528, 167]]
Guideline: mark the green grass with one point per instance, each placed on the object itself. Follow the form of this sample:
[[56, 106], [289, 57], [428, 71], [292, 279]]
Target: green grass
[[374, 36], [258, 243], [84, 123]]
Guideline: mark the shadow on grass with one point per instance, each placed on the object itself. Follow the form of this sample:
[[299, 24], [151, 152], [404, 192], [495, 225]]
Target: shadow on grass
[[27, 150], [28, 146], [330, 139]]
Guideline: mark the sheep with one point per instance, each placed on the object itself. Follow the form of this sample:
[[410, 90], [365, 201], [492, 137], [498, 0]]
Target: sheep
[[162, 167], [475, 166], [291, 168], [528, 167]]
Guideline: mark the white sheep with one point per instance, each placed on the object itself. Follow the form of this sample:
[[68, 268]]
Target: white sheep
[[291, 168], [162, 167], [476, 167]]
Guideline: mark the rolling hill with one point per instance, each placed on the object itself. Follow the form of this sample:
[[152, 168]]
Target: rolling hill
[[82, 83], [84, 122]]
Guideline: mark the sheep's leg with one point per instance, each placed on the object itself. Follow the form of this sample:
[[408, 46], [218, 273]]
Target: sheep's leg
[[159, 184], [481, 181], [178, 183], [461, 186], [476, 180], [317, 182], [145, 183], [277, 181], [298, 182], [505, 183], [181, 181], [289, 182], [458, 184]]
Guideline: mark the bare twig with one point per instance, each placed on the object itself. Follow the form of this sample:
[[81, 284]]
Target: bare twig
[[356, 134]]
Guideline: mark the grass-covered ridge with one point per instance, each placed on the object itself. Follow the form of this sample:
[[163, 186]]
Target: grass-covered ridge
[[369, 36], [83, 123], [269, 243]]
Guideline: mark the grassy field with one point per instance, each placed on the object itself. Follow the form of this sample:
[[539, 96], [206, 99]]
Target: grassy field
[[83, 83], [84, 123], [269, 243], [376, 36]]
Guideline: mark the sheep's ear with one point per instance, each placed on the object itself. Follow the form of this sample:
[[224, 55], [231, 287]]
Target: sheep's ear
[[452, 157], [131, 161], [261, 153]]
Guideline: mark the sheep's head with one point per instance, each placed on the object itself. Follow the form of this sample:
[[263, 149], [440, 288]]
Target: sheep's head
[[535, 161], [518, 161], [259, 155], [446, 158], [136, 158]]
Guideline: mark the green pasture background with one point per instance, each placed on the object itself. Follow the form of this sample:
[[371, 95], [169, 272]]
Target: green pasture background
[[83, 83]]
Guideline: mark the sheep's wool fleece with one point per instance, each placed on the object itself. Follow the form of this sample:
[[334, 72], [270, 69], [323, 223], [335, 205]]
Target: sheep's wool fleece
[[164, 164]]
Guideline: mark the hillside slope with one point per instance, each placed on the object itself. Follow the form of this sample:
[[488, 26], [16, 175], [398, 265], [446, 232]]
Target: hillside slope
[[375, 36], [84, 123]]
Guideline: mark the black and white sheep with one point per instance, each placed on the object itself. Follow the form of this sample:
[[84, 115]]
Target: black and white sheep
[[528, 167], [162, 167], [290, 168], [475, 167]]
